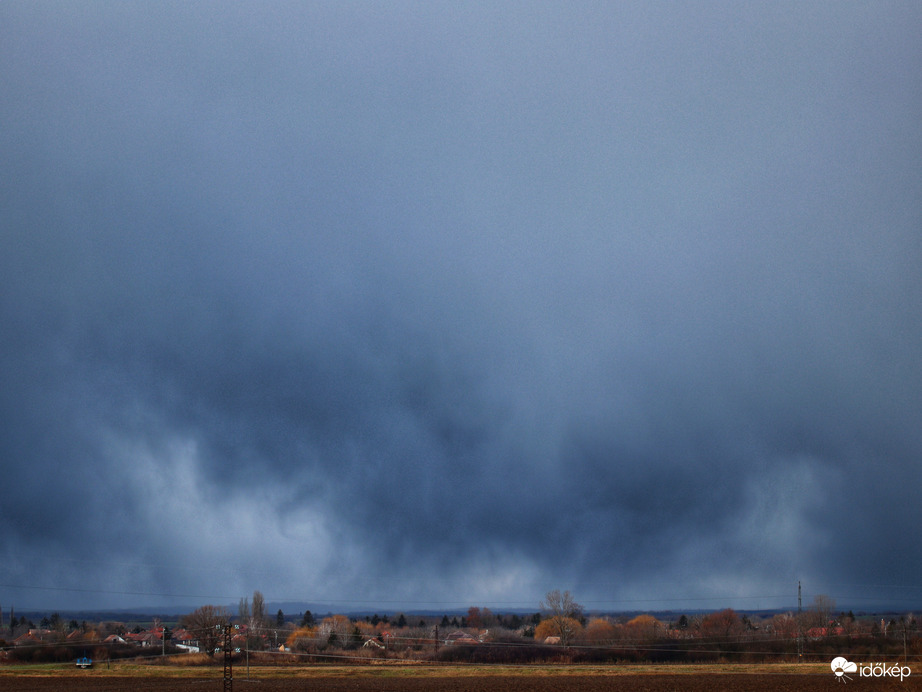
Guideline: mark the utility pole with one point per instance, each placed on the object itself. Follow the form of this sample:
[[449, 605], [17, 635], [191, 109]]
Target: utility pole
[[800, 626]]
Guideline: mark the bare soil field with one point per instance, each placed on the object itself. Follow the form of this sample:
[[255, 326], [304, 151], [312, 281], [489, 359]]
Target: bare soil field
[[688, 678]]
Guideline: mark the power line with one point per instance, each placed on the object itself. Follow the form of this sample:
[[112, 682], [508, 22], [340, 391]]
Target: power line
[[454, 603]]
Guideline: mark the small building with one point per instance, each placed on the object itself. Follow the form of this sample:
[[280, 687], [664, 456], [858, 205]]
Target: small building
[[185, 640], [459, 637], [27, 639]]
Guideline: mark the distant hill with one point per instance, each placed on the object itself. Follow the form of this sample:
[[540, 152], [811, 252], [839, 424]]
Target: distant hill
[[293, 610]]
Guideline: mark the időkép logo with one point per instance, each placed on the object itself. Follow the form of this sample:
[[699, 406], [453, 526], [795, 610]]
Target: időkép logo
[[841, 666]]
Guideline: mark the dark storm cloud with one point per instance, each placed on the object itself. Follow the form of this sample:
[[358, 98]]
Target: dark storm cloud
[[460, 304]]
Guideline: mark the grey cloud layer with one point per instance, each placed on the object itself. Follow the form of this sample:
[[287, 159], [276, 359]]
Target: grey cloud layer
[[617, 299]]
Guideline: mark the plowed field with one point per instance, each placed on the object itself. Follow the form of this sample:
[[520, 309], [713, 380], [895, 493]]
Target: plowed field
[[447, 681]]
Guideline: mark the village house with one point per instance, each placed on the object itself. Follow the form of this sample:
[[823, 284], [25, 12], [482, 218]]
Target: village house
[[459, 637], [32, 637]]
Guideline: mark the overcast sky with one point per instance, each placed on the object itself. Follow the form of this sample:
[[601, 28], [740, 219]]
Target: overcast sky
[[449, 304]]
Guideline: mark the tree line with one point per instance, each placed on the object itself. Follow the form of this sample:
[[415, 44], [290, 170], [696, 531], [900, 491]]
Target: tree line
[[560, 630]]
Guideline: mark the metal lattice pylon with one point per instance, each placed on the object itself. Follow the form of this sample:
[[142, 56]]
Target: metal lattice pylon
[[228, 662]]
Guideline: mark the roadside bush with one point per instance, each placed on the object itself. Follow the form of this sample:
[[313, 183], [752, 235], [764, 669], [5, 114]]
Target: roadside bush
[[64, 653], [45, 653]]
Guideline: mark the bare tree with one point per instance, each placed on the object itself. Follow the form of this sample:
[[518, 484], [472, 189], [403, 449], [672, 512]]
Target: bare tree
[[562, 609], [256, 621], [203, 624], [258, 615], [820, 615]]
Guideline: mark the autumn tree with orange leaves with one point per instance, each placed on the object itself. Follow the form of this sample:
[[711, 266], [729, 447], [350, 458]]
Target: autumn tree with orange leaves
[[302, 639], [644, 627], [721, 626], [600, 631]]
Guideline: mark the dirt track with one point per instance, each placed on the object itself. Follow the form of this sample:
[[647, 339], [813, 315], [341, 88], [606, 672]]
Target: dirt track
[[488, 683]]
